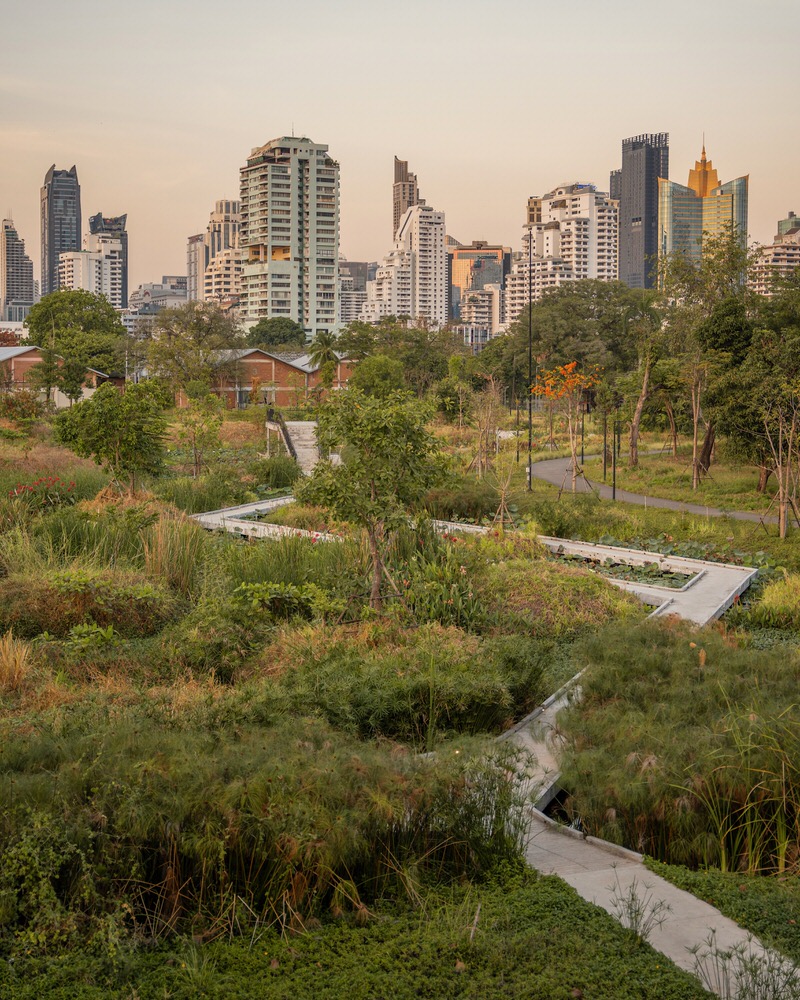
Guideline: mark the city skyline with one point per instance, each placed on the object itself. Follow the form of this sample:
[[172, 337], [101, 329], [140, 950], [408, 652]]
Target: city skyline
[[146, 144]]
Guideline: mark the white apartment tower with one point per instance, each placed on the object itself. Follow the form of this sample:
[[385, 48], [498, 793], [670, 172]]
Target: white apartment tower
[[412, 279], [574, 233], [222, 233], [97, 269], [290, 234]]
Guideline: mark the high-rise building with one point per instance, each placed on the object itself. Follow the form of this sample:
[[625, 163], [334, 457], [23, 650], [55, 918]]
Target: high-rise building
[[405, 193], [97, 269], [290, 234], [114, 226], [223, 278], [17, 289], [483, 309], [470, 268], [412, 279], [645, 159], [221, 234], [353, 277], [574, 238], [790, 222], [704, 207], [781, 259], [61, 221]]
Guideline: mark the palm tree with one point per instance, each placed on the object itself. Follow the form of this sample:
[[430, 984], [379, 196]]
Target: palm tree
[[322, 349]]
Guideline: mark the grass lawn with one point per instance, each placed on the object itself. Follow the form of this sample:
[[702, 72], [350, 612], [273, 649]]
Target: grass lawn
[[728, 487]]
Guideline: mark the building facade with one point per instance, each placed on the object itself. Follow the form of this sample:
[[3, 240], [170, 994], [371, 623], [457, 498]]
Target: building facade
[[221, 235], [484, 308], [405, 193], [17, 289], [780, 260], [412, 279], [645, 159], [60, 203], [97, 269], [471, 268], [290, 234], [703, 207], [114, 226]]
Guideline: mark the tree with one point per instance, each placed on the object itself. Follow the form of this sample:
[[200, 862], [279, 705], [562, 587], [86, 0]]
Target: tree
[[122, 431], [79, 327], [390, 461], [200, 422], [378, 375], [193, 343], [323, 349], [695, 292], [643, 322], [568, 386], [278, 331]]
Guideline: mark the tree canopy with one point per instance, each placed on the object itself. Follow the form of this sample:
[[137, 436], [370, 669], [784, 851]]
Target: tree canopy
[[390, 460], [122, 431], [192, 343], [278, 331], [79, 327]]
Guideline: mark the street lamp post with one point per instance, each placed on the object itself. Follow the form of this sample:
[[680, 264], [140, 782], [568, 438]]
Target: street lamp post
[[530, 358]]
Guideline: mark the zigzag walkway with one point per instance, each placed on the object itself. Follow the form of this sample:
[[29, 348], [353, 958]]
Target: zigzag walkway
[[600, 872]]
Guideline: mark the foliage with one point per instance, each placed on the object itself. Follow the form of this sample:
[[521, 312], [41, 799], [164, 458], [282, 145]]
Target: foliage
[[533, 937], [172, 820], [709, 780], [378, 375], [278, 331], [193, 343], [121, 431], [322, 349], [276, 473], [21, 405], [390, 460], [44, 493], [199, 423], [80, 327], [64, 599]]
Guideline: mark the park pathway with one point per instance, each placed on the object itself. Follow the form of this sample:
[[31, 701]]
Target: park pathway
[[556, 472]]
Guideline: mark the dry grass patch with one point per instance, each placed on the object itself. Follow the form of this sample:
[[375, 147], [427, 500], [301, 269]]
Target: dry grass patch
[[240, 434], [16, 660]]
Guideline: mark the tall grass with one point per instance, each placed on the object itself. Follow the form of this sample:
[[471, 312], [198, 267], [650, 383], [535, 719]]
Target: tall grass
[[688, 749], [15, 662], [105, 814], [174, 550]]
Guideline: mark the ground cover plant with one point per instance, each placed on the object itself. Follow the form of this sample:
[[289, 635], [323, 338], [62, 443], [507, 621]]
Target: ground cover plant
[[516, 934], [697, 763], [767, 907]]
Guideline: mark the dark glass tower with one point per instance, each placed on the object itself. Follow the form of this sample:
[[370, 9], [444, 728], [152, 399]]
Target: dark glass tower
[[114, 226], [645, 158], [61, 221]]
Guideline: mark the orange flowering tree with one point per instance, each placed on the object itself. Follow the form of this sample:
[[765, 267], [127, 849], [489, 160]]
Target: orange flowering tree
[[567, 386]]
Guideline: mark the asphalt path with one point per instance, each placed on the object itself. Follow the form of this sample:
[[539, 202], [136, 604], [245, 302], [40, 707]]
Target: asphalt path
[[556, 471]]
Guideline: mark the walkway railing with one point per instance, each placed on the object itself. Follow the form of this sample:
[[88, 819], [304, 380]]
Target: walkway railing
[[276, 417]]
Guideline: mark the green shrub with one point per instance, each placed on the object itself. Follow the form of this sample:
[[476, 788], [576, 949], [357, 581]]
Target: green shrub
[[58, 602], [209, 492], [173, 821], [468, 500], [275, 473], [418, 685]]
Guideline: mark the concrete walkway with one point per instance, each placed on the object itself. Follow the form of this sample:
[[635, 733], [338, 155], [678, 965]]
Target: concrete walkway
[[304, 438], [556, 472]]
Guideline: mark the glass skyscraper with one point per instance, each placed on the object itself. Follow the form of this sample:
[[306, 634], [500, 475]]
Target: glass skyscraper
[[703, 207], [645, 159], [61, 221]]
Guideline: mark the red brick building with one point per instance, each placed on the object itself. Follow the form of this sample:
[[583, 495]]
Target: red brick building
[[282, 380], [15, 369]]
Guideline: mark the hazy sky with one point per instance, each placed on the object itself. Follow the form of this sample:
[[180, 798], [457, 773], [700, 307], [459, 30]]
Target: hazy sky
[[159, 103]]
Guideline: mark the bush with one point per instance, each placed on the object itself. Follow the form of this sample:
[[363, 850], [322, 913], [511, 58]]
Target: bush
[[469, 500], [57, 603], [111, 809], [275, 473], [413, 685], [209, 492]]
